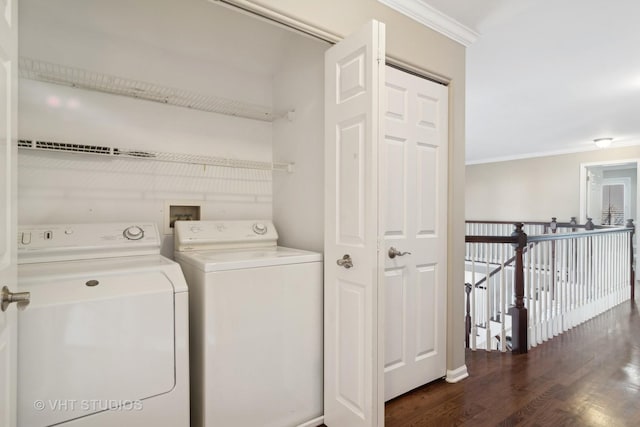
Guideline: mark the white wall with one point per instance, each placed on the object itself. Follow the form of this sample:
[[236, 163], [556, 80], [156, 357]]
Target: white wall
[[65, 187], [189, 45], [298, 198], [533, 189], [193, 45]]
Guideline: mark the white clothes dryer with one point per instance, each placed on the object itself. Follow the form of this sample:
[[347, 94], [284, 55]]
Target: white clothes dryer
[[256, 325], [104, 340]]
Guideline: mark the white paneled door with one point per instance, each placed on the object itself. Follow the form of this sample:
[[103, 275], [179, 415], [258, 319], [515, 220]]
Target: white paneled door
[[8, 129], [353, 352], [414, 177]]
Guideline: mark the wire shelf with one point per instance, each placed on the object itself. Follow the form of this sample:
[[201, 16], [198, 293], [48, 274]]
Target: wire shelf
[[192, 159], [34, 69]]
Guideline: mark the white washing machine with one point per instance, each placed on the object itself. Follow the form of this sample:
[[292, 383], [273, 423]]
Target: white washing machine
[[104, 340], [256, 325]]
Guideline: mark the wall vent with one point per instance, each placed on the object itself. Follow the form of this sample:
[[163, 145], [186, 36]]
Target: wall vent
[[63, 146]]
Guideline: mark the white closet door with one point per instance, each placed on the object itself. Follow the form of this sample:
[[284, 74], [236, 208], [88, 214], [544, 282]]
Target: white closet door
[[354, 85], [8, 129], [414, 177]]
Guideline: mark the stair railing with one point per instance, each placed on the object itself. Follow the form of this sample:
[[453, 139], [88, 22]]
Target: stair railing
[[522, 290]]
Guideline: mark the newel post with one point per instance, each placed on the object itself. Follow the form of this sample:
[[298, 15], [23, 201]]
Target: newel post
[[631, 266], [553, 225], [467, 317], [518, 312]]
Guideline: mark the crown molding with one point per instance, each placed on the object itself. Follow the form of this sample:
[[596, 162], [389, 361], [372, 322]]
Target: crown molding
[[532, 155], [434, 19]]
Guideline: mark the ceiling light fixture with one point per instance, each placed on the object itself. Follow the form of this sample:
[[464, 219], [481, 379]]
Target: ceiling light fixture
[[603, 142]]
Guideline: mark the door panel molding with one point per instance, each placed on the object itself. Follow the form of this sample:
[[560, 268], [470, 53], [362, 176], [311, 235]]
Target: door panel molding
[[421, 124]]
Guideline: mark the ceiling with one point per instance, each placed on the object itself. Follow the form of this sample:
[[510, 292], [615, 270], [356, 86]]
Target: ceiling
[[186, 30], [169, 46], [548, 77]]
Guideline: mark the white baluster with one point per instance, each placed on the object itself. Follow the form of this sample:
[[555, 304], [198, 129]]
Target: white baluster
[[474, 319], [503, 303]]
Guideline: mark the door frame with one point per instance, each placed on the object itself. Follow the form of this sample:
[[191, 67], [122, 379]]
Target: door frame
[[8, 258], [584, 190], [265, 12], [280, 19], [583, 183]]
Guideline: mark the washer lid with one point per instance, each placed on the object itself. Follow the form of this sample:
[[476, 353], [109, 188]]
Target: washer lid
[[219, 260]]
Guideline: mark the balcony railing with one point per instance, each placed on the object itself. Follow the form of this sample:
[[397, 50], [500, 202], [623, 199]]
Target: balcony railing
[[529, 282]]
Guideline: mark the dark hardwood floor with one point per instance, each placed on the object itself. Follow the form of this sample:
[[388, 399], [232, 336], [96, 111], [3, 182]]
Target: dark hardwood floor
[[588, 376]]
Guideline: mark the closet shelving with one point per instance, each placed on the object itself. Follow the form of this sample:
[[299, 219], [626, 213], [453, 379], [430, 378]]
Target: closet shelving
[[48, 72], [152, 155]]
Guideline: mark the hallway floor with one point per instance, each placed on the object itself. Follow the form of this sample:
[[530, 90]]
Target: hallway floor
[[588, 376]]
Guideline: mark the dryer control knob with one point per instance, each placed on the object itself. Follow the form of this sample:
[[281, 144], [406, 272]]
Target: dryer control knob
[[259, 228], [133, 233]]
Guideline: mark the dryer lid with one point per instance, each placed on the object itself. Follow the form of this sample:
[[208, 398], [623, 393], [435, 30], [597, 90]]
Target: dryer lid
[[94, 342]]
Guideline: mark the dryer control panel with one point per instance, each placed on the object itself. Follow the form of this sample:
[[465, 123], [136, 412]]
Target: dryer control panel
[[240, 234], [65, 242]]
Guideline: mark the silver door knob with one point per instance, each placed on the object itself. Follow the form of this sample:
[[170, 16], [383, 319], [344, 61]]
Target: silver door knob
[[393, 252], [7, 297], [345, 261]]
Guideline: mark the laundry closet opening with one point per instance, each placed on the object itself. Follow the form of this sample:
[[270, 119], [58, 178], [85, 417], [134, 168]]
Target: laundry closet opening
[[196, 104], [190, 81]]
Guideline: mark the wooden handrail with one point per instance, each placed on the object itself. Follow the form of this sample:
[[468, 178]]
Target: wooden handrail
[[490, 239], [473, 221], [565, 236], [604, 229]]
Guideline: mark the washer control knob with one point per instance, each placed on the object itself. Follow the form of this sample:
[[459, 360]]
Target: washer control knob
[[133, 233], [259, 228]]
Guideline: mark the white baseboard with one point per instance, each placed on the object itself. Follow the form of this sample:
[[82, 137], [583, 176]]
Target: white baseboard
[[457, 374], [313, 423]]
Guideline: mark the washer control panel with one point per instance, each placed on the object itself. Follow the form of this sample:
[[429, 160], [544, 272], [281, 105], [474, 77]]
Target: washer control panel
[[86, 241], [202, 235]]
